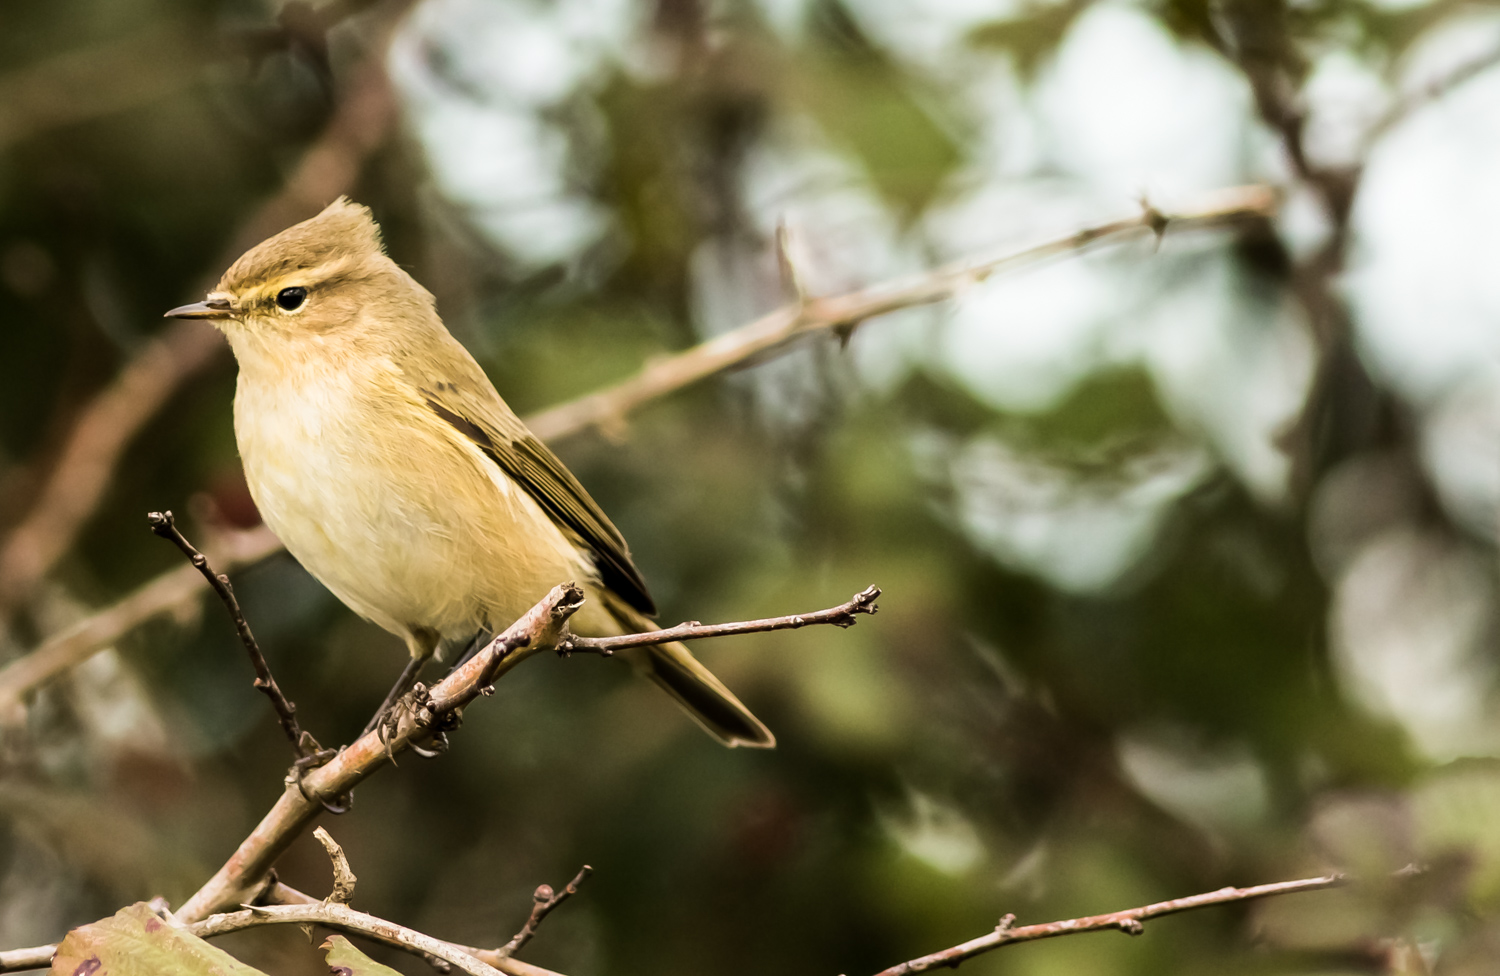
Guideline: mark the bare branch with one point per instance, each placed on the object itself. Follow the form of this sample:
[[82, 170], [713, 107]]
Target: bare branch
[[609, 407], [540, 628], [303, 744], [20, 960], [543, 901], [843, 615], [1131, 922]]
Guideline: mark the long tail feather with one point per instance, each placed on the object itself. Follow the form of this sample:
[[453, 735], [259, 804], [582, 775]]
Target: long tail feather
[[673, 669]]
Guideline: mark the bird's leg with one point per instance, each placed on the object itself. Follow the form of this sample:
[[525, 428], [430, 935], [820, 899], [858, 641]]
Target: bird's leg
[[401, 687]]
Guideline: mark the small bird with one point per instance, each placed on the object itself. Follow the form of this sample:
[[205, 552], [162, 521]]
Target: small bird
[[382, 456]]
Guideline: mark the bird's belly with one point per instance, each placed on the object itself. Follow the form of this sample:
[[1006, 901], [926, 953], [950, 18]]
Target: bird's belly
[[406, 525]]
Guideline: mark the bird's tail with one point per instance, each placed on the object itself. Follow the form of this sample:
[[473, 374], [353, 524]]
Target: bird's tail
[[674, 670]]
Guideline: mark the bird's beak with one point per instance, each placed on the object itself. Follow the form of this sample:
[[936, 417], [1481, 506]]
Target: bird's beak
[[214, 308]]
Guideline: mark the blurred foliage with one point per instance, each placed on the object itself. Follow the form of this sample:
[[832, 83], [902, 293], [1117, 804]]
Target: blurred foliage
[[1108, 666]]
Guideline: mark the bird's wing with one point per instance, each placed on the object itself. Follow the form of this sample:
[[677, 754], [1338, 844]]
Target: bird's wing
[[457, 390]]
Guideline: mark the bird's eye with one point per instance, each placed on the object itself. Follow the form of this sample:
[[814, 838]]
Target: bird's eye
[[291, 299]]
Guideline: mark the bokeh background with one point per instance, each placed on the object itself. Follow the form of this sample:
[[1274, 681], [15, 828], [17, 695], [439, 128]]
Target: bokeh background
[[1188, 549]]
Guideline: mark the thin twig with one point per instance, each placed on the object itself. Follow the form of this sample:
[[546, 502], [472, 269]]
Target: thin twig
[[843, 615], [303, 744], [1131, 922], [544, 899], [608, 408]]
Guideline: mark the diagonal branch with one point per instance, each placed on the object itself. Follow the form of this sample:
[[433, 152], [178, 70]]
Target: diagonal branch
[[337, 916], [609, 407], [1130, 921], [303, 744], [245, 872]]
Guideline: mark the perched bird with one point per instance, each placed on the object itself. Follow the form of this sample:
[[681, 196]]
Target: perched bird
[[381, 455]]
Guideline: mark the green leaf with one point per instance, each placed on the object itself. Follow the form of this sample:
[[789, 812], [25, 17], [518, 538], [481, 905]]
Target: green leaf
[[345, 960], [136, 942]]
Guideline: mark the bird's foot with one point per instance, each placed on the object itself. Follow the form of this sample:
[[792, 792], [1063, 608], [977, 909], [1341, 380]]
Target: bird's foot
[[303, 766]]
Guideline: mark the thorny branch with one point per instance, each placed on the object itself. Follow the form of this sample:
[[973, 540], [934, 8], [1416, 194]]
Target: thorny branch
[[306, 747], [543, 901], [1130, 921], [840, 616], [277, 893]]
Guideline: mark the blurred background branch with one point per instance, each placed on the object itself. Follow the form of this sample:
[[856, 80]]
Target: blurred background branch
[[608, 408]]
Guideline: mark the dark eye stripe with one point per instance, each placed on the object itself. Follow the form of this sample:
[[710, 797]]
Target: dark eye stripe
[[291, 299]]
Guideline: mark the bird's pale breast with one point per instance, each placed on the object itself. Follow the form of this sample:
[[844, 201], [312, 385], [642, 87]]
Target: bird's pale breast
[[404, 520]]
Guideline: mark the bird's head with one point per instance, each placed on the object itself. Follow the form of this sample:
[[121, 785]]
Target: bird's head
[[313, 278]]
